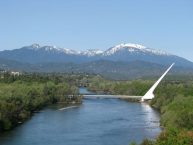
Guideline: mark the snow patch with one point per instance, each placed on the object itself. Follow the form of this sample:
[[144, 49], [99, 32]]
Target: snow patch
[[133, 48]]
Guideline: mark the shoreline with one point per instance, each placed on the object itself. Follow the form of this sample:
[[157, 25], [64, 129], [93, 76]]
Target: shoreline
[[20, 122]]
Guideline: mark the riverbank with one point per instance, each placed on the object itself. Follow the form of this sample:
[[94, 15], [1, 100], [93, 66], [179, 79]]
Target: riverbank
[[22, 96], [174, 99]]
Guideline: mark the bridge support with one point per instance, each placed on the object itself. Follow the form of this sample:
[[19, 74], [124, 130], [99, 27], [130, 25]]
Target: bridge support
[[149, 95]]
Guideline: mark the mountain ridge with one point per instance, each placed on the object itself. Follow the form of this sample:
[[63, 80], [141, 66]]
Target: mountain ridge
[[123, 52], [121, 61], [130, 46]]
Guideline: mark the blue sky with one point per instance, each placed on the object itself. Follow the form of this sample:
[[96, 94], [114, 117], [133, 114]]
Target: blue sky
[[98, 24]]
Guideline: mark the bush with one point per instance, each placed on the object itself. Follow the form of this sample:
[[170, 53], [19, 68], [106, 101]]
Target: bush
[[21, 96], [175, 137]]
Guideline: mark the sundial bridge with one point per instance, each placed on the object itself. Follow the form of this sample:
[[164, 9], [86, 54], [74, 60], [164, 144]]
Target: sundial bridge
[[149, 95]]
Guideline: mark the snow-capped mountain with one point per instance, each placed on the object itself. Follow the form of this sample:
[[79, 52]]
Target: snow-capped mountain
[[123, 52], [92, 52], [129, 47], [53, 49], [133, 48]]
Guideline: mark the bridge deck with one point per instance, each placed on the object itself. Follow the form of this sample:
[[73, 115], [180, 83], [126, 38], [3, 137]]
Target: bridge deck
[[111, 97]]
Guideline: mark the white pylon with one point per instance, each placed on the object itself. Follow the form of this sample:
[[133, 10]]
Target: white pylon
[[149, 95]]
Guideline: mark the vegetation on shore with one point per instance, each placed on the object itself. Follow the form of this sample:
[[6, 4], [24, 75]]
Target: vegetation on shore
[[22, 95], [174, 100]]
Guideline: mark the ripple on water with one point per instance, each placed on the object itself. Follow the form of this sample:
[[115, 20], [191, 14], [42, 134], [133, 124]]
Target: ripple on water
[[95, 122]]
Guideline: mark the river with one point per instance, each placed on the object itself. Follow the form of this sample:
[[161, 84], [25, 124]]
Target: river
[[95, 122]]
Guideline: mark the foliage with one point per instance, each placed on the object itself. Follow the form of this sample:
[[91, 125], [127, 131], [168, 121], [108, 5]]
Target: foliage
[[21, 95], [137, 87], [175, 137]]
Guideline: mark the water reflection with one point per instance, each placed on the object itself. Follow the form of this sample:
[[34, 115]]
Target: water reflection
[[151, 119]]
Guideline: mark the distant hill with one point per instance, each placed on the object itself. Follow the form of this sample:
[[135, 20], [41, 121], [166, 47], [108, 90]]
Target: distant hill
[[122, 61]]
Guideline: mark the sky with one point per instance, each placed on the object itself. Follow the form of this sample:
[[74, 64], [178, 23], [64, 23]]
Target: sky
[[98, 24]]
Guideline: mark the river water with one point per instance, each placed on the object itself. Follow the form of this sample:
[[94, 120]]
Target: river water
[[95, 122]]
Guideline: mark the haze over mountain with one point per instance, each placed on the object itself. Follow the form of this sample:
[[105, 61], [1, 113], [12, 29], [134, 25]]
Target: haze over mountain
[[122, 60]]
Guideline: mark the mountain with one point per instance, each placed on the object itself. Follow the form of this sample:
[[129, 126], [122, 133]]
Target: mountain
[[133, 52], [123, 61], [124, 52]]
